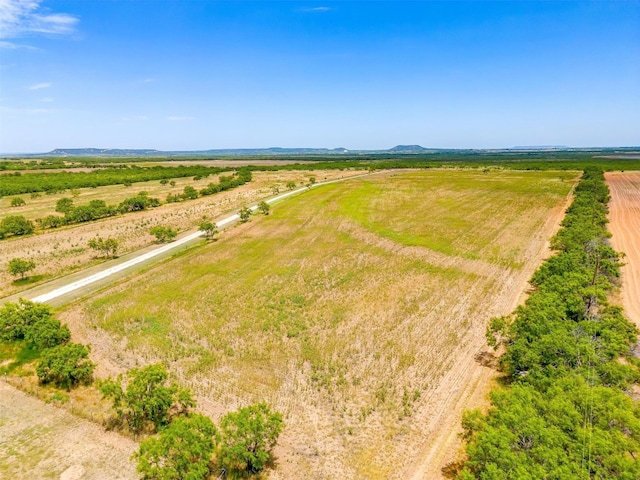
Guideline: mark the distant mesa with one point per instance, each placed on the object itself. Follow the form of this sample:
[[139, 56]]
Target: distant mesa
[[124, 152], [541, 147], [409, 149], [78, 152]]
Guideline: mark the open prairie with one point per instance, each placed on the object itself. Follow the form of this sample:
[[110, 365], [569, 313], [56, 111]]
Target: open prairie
[[624, 217], [358, 309], [64, 250]]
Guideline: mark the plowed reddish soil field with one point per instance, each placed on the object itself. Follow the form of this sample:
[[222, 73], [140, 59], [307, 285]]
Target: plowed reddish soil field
[[624, 215]]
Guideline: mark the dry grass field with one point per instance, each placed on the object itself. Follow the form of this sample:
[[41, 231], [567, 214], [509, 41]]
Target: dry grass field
[[357, 309], [64, 250]]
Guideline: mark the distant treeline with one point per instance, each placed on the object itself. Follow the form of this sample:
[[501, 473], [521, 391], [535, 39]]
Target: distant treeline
[[17, 183], [566, 411], [17, 225], [525, 160]]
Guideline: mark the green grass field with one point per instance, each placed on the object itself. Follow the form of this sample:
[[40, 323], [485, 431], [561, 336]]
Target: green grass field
[[344, 307]]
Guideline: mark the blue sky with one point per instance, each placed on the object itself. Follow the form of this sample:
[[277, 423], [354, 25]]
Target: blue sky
[[200, 74]]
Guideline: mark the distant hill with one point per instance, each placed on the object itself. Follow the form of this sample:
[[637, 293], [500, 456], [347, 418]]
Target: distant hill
[[81, 152], [409, 149], [398, 150], [541, 147]]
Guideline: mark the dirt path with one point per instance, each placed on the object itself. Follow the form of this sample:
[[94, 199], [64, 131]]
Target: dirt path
[[624, 217], [38, 440], [467, 384]]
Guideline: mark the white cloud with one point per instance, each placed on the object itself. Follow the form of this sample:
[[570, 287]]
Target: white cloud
[[15, 46], [317, 9], [39, 86], [24, 17], [179, 119]]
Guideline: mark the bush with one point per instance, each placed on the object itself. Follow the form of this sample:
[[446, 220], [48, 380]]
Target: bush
[[142, 201], [17, 202], [15, 225], [245, 214], [146, 399], [182, 450], [248, 438], [108, 246], [17, 318], [163, 234], [47, 333], [66, 366]]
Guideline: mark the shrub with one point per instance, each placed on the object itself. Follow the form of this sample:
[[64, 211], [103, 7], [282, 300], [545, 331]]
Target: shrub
[[66, 365], [248, 438]]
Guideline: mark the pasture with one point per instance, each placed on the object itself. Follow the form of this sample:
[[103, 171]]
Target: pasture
[[64, 250], [356, 309]]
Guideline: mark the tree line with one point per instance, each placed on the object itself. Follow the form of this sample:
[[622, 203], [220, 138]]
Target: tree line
[[565, 411], [17, 225], [54, 182]]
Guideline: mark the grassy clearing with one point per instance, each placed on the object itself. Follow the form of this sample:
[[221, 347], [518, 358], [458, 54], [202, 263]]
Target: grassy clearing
[[344, 308]]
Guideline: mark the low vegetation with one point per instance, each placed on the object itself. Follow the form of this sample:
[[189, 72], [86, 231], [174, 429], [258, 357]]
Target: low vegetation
[[163, 234], [568, 363], [342, 309], [188, 445], [52, 182], [98, 209], [20, 266], [32, 326], [107, 246]]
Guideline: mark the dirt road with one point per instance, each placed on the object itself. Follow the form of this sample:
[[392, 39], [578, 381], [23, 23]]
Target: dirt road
[[38, 440], [624, 215], [118, 267]]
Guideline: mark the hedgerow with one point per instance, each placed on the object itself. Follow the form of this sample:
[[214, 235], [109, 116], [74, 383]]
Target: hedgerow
[[568, 361]]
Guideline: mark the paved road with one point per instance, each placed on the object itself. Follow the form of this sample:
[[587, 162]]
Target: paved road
[[88, 280]]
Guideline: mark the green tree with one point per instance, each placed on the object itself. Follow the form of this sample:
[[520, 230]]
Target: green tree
[[210, 229], [108, 246], [17, 318], [47, 333], [66, 365], [189, 193], [20, 266], [291, 185], [163, 234], [181, 451], [146, 399], [245, 214], [264, 207], [17, 202], [248, 438], [312, 180], [15, 225], [64, 205]]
